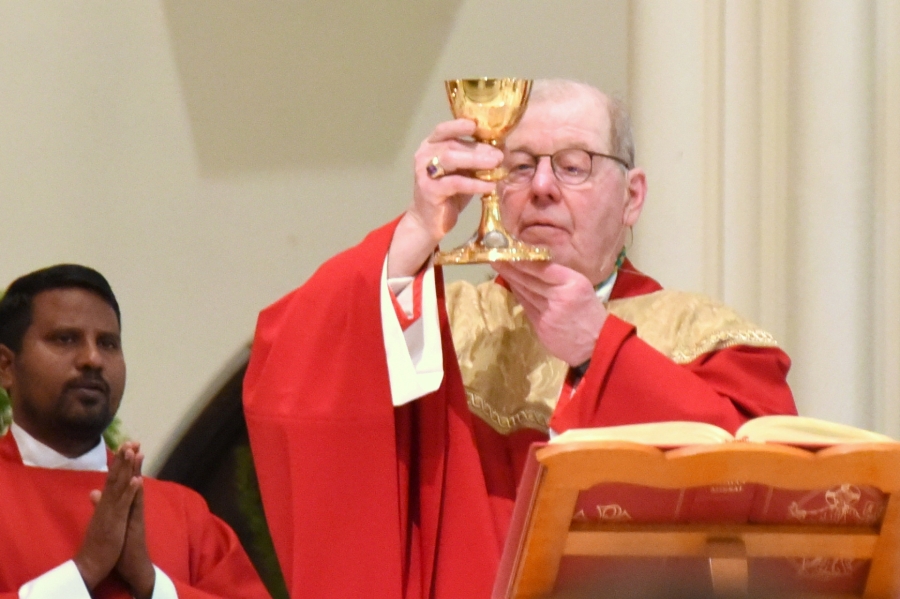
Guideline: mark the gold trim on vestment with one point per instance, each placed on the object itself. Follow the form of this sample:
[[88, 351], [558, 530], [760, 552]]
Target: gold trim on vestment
[[684, 326], [512, 381]]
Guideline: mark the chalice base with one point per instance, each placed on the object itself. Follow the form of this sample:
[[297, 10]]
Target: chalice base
[[476, 252]]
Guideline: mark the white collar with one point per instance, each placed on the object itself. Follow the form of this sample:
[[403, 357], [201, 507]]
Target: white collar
[[606, 287], [35, 453]]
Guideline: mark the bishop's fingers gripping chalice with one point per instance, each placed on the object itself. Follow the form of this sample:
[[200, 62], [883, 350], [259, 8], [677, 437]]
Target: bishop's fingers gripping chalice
[[496, 105]]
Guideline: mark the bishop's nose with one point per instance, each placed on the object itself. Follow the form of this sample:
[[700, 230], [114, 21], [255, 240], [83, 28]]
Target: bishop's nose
[[544, 184]]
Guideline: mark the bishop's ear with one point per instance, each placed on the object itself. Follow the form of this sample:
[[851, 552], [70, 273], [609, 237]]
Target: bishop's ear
[[634, 196]]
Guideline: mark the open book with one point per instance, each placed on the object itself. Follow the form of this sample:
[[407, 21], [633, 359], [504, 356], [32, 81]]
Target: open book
[[788, 430]]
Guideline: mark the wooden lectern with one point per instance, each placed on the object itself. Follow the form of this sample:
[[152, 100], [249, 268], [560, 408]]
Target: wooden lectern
[[543, 530]]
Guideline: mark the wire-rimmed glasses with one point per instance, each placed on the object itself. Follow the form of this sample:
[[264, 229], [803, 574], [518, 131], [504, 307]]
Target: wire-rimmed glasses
[[572, 166]]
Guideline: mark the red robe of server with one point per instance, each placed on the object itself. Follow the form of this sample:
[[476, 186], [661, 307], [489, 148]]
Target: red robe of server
[[46, 512]]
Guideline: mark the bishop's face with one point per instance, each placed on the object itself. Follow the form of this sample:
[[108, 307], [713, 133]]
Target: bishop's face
[[67, 380], [582, 224]]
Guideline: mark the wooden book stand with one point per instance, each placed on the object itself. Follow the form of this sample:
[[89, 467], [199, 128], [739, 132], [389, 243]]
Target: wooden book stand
[[543, 530]]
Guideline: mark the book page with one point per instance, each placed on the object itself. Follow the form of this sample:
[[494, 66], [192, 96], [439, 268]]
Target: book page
[[802, 430], [660, 434]]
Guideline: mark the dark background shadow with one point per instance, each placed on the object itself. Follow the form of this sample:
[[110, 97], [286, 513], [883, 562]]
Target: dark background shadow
[[213, 458]]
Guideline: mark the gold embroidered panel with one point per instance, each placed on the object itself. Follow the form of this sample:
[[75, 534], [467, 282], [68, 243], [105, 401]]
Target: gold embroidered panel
[[512, 381]]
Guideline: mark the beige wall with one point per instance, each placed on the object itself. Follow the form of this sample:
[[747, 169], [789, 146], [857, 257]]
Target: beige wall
[[207, 155]]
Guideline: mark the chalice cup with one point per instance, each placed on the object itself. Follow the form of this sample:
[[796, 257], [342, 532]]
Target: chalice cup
[[496, 105]]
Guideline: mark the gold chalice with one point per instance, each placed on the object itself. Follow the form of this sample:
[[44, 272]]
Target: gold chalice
[[496, 105]]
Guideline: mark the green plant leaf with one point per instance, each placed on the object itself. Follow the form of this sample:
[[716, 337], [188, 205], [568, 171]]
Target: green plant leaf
[[5, 412]]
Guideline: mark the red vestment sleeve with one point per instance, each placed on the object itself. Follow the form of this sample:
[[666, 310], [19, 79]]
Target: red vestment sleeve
[[216, 565], [407, 321], [363, 499], [629, 382]]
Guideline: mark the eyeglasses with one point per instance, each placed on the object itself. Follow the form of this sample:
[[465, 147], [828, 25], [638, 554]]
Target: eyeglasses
[[571, 166]]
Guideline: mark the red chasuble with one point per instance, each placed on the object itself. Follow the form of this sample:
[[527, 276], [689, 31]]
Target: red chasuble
[[45, 514], [367, 500]]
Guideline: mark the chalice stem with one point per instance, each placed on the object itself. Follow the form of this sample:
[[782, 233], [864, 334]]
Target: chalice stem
[[490, 214]]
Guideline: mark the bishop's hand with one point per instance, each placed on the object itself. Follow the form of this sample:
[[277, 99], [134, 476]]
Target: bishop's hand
[[444, 168], [560, 303]]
